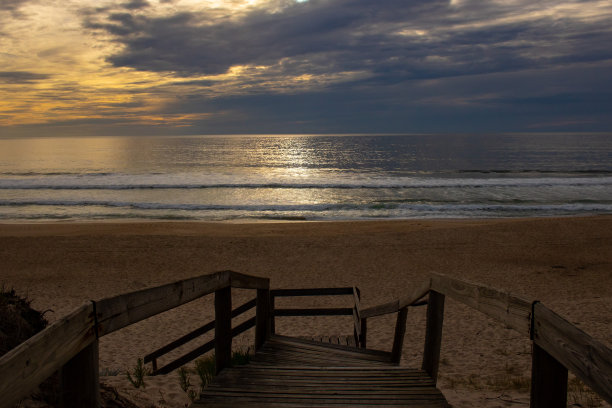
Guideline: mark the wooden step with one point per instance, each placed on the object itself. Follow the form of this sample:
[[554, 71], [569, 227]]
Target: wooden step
[[292, 372]]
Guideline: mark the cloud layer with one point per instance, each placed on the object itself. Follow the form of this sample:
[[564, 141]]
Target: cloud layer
[[394, 39], [333, 65]]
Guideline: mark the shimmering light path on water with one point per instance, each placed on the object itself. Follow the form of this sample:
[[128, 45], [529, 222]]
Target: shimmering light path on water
[[305, 177]]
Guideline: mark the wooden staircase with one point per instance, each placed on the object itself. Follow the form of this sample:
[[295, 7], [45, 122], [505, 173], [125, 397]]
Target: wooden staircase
[[293, 372]]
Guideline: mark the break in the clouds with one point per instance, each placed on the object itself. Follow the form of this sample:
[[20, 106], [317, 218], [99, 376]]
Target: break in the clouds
[[329, 65]]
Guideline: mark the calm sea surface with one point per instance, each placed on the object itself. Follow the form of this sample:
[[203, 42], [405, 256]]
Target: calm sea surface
[[305, 177]]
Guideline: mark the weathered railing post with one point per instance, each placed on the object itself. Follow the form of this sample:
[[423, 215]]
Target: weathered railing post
[[272, 317], [263, 320], [548, 380], [398, 339], [80, 379], [357, 315], [223, 328], [364, 333], [433, 334]]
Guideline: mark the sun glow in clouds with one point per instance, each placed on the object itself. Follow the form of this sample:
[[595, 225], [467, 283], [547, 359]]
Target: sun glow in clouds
[[168, 63]]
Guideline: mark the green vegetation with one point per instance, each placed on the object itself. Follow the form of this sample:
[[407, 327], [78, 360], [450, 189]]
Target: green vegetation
[[206, 370], [136, 378], [579, 395], [185, 383], [18, 321]]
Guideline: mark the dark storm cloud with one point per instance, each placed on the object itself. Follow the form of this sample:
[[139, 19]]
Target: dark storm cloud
[[21, 77], [136, 4], [10, 9], [359, 35], [11, 5], [432, 66]]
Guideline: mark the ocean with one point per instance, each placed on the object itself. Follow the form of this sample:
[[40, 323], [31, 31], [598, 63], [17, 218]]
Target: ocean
[[304, 177]]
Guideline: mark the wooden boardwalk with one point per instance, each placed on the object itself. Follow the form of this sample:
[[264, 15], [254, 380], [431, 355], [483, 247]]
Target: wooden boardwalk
[[292, 372]]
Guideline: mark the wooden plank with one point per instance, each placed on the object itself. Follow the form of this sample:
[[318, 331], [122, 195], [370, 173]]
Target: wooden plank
[[223, 328], [117, 312], [332, 311], [346, 381], [356, 323], [317, 359], [312, 292], [343, 384], [205, 348], [364, 333], [316, 391], [245, 307], [34, 360], [415, 295], [307, 344], [433, 334], [196, 333], [391, 307], [80, 379], [357, 300], [272, 314], [240, 280], [184, 359], [380, 310], [255, 404], [278, 341], [274, 400], [548, 380], [398, 338], [262, 329], [356, 316], [333, 372], [589, 360], [179, 342], [513, 311], [341, 352], [321, 398]]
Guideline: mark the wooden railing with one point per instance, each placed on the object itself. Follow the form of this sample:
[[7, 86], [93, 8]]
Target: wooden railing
[[336, 311], [71, 343], [557, 345], [195, 353], [399, 306]]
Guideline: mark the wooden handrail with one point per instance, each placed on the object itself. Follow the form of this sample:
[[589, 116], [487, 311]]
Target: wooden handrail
[[205, 348], [297, 292], [200, 331], [315, 311], [34, 360], [348, 290], [357, 322], [70, 338], [117, 312], [558, 345], [512, 310], [587, 358], [412, 299]]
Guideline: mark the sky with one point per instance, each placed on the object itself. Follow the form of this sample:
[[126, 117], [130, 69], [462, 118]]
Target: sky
[[170, 67]]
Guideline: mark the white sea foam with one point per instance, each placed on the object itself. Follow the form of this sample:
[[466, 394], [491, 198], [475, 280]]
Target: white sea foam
[[309, 178]]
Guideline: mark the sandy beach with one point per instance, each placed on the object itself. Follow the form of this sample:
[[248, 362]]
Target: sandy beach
[[564, 262]]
